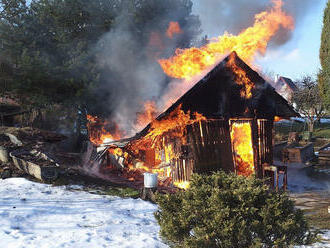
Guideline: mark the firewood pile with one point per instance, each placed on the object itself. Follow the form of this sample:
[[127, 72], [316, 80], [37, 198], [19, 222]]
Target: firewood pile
[[36, 164], [30, 151]]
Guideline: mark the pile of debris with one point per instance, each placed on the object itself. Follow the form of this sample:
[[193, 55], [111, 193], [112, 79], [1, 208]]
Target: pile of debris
[[34, 152]]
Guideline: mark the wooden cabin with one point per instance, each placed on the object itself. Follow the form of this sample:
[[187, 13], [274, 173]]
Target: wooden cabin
[[208, 145]]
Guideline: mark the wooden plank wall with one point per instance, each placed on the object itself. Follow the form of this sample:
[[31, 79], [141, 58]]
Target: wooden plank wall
[[207, 148], [210, 146], [183, 169], [265, 146], [180, 160]]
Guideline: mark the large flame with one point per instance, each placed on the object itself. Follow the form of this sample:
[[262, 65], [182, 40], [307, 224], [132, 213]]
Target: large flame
[[177, 119], [241, 138], [154, 146], [189, 62], [149, 152], [176, 122]]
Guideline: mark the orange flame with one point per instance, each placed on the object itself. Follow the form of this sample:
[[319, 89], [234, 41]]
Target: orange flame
[[277, 119], [91, 118], [173, 28], [176, 120], [241, 138], [98, 130], [189, 62], [175, 123], [148, 114], [241, 79]]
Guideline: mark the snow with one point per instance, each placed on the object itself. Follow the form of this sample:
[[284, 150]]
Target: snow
[[39, 215], [302, 179], [324, 244], [43, 216]]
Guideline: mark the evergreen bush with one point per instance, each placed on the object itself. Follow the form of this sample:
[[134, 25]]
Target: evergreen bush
[[225, 210]]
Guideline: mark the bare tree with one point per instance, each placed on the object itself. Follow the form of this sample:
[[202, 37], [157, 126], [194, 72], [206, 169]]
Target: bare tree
[[308, 101]]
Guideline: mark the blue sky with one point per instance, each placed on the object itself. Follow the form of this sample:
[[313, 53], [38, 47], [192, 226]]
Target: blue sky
[[300, 55]]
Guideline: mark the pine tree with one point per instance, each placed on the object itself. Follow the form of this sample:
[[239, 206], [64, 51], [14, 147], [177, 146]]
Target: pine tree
[[229, 211], [56, 48], [324, 75]]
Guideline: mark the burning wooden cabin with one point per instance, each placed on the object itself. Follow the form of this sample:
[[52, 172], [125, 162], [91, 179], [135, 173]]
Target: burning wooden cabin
[[225, 121]]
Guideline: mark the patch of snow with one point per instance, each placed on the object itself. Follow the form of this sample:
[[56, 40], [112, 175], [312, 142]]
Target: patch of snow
[[324, 244], [43, 216], [302, 178]]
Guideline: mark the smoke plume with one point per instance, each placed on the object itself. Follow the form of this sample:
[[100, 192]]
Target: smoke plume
[[129, 77]]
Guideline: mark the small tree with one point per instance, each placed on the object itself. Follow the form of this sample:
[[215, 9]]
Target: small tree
[[308, 101], [225, 210]]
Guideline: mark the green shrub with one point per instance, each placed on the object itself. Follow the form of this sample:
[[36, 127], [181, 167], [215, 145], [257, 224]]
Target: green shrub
[[225, 210]]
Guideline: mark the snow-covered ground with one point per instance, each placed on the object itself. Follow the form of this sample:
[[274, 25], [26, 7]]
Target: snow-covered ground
[[302, 178], [42, 216], [39, 215], [325, 243]]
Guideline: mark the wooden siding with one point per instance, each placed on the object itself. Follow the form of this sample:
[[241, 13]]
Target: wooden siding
[[211, 146]]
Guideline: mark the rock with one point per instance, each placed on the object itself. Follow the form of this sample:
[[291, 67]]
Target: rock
[[14, 139]]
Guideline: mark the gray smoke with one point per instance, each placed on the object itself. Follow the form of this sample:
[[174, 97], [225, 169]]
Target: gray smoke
[[233, 16], [129, 79], [127, 56]]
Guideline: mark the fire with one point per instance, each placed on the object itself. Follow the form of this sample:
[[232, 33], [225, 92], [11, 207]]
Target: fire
[[251, 41], [277, 119], [145, 154], [173, 28], [241, 138], [182, 185], [241, 79], [157, 155], [177, 120], [98, 130], [116, 151], [152, 152], [92, 118], [148, 114], [175, 123]]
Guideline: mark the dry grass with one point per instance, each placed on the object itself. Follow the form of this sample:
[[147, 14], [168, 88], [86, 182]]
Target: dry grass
[[319, 217]]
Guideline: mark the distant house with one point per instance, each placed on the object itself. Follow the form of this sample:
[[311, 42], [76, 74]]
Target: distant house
[[285, 87]]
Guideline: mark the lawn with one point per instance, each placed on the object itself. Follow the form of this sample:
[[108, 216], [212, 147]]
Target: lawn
[[282, 129]]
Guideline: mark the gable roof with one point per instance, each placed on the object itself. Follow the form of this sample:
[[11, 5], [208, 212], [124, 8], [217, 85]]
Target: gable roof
[[217, 95], [288, 82]]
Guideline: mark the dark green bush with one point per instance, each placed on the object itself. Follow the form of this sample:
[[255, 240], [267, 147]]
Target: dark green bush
[[225, 210]]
